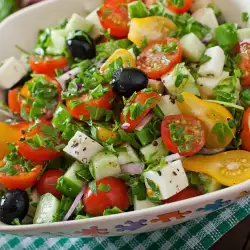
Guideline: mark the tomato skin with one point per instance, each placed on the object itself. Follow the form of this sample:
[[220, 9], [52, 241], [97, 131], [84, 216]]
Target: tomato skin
[[47, 65], [180, 10], [13, 101], [192, 122], [37, 154], [48, 182], [245, 133], [22, 180], [186, 193], [141, 97], [116, 197], [117, 20], [243, 49], [151, 62], [80, 110]]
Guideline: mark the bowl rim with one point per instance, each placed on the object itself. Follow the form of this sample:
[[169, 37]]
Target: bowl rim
[[178, 205]]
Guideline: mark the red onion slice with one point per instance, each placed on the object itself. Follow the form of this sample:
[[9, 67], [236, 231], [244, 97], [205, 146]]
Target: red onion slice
[[208, 151], [75, 204], [132, 168], [67, 76], [144, 121], [125, 125]]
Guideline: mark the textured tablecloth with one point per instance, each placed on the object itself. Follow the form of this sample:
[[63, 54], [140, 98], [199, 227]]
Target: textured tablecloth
[[197, 234]]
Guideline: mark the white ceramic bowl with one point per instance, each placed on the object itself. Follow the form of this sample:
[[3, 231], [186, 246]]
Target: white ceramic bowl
[[21, 29]]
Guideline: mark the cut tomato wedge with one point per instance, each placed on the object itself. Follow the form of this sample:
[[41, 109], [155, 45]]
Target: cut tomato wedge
[[179, 7]]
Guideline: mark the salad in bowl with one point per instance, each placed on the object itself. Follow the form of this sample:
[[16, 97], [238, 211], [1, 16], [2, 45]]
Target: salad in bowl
[[137, 105]]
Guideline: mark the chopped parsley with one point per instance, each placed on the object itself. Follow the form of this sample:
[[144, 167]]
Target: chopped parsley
[[178, 3], [113, 210], [245, 16], [104, 188], [154, 192], [204, 58], [179, 79], [165, 48], [92, 186], [222, 129]]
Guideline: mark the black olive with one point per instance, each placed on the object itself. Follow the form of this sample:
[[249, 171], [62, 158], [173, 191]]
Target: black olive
[[80, 45], [126, 81], [15, 204]]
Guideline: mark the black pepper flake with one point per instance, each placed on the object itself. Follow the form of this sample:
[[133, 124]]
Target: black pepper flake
[[77, 152], [86, 138], [172, 99], [84, 149], [170, 181], [74, 145], [174, 173], [159, 173], [155, 143], [178, 169], [22, 139], [23, 131]]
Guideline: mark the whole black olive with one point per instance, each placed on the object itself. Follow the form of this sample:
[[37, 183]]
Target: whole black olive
[[126, 81], [15, 204], [80, 45]]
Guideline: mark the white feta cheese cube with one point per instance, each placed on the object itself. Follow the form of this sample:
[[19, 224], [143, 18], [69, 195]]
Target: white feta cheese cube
[[82, 147], [168, 106], [207, 17], [11, 72]]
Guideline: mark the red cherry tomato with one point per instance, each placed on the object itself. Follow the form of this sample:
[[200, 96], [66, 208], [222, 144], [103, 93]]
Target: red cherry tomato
[[113, 15], [47, 65], [48, 182], [243, 49], [245, 133], [104, 102], [13, 101], [158, 59], [186, 193], [117, 196], [183, 134], [142, 98], [23, 180], [37, 154], [180, 9]]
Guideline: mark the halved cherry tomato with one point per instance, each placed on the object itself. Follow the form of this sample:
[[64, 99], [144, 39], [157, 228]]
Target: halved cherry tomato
[[183, 134], [243, 49], [48, 181], [47, 65], [149, 2], [228, 168], [113, 15], [245, 134], [13, 101], [37, 154], [180, 9], [142, 98], [22, 181], [104, 102], [117, 196], [186, 193], [155, 62]]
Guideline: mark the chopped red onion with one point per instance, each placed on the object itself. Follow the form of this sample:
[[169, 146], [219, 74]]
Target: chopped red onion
[[67, 76], [132, 168], [144, 121], [174, 157], [125, 125], [208, 151], [207, 38], [75, 204]]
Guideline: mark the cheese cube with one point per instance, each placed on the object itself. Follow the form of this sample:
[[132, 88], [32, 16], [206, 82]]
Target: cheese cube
[[207, 17], [94, 19]]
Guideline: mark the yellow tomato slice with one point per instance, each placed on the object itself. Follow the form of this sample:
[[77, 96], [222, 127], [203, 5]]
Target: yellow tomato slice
[[127, 59], [228, 168], [103, 134], [149, 28], [210, 113]]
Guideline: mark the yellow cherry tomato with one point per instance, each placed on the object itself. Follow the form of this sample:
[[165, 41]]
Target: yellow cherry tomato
[[104, 134], [127, 59], [210, 113], [149, 28], [8, 134], [228, 168]]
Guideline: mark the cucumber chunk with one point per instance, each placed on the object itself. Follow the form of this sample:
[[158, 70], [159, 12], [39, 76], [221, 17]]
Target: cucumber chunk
[[126, 154]]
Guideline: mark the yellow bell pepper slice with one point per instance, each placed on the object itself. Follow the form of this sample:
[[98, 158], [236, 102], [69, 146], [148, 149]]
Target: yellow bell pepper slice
[[228, 168], [127, 59], [104, 134], [208, 112], [149, 28]]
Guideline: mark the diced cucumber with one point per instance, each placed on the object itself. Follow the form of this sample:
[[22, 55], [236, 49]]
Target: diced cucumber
[[193, 48], [57, 43], [126, 154], [82, 147], [61, 117], [107, 49], [94, 19], [168, 106], [145, 135], [47, 208], [137, 9], [104, 164], [208, 184], [69, 184], [199, 4], [215, 65], [77, 22], [180, 80], [138, 205], [154, 151], [34, 200], [244, 34], [207, 17]]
